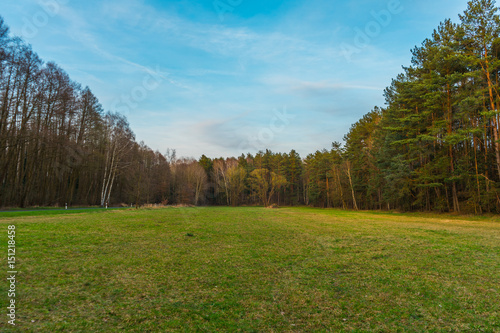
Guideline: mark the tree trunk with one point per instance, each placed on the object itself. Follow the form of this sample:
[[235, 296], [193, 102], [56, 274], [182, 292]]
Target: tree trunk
[[352, 188]]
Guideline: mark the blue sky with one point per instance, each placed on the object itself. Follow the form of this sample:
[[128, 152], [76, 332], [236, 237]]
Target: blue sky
[[227, 77]]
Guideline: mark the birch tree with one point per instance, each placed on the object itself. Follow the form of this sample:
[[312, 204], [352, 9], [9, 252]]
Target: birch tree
[[119, 140]]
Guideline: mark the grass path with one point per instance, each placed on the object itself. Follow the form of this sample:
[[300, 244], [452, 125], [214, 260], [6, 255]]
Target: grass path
[[254, 270]]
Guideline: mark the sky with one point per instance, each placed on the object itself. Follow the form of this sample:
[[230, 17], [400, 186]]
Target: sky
[[226, 77]]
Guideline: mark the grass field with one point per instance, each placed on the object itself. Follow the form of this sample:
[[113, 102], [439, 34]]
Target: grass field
[[253, 270]]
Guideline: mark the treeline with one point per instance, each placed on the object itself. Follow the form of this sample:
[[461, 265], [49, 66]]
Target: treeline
[[433, 147], [57, 146], [436, 145]]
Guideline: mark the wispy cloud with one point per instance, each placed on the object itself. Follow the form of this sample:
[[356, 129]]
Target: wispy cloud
[[81, 31], [221, 80]]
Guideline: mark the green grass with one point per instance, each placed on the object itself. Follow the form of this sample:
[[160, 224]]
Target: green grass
[[50, 211], [254, 270]]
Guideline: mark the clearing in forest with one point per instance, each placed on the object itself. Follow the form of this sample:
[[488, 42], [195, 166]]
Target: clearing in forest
[[253, 270]]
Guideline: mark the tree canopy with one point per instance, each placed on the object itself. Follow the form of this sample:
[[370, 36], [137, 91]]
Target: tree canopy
[[434, 145]]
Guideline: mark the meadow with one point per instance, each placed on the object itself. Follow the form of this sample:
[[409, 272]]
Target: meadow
[[252, 270]]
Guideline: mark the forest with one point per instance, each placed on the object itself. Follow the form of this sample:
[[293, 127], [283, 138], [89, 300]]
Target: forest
[[434, 146]]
